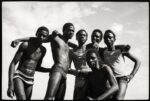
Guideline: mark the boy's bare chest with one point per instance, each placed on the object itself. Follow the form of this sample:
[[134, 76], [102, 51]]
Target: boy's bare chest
[[34, 53], [60, 44]]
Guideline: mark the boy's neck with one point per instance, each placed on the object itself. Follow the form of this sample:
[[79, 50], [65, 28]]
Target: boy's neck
[[111, 48], [81, 45], [65, 39]]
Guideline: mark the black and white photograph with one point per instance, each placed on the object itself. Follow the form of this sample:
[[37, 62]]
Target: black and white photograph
[[75, 50]]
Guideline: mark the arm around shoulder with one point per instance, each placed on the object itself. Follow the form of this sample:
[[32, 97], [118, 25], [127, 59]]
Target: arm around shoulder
[[14, 43], [72, 45]]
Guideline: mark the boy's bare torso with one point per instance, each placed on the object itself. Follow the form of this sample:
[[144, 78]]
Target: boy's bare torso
[[29, 60], [60, 52]]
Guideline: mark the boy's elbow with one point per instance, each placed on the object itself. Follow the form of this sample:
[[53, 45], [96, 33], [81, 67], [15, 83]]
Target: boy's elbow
[[12, 64], [138, 63]]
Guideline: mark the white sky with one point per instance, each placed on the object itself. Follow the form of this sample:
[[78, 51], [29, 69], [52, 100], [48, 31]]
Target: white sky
[[129, 20]]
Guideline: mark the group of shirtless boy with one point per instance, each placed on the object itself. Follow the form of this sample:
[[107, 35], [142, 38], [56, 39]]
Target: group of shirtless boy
[[98, 70]]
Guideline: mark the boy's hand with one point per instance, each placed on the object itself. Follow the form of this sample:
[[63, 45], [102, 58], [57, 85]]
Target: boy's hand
[[129, 77], [127, 47], [95, 45], [10, 93], [14, 43], [55, 33]]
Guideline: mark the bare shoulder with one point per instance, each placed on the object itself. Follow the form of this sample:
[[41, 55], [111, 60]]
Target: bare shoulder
[[89, 45], [24, 45], [106, 68]]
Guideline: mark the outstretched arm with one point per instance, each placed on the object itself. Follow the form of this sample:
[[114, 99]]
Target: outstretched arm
[[73, 72], [136, 65], [14, 43], [16, 59], [78, 72], [125, 48], [113, 82], [72, 45], [43, 69]]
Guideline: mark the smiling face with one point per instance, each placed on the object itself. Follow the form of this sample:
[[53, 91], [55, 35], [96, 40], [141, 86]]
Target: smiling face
[[92, 60], [81, 36]]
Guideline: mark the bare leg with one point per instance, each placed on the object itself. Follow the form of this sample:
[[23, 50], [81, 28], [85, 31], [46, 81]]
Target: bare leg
[[19, 89], [61, 90], [28, 91], [122, 89], [53, 85]]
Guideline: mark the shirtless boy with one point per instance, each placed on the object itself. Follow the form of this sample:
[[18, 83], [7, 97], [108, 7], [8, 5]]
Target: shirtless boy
[[29, 55], [78, 56], [60, 52]]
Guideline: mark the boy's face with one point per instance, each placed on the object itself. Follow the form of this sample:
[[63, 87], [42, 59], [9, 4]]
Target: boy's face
[[42, 35], [109, 39], [96, 37], [82, 37], [92, 61], [69, 32]]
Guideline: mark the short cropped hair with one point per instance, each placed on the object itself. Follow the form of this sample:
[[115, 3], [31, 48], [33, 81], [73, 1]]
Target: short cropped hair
[[98, 30], [109, 31], [42, 28], [80, 32], [66, 25]]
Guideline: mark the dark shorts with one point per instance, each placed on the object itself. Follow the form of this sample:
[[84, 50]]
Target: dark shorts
[[123, 79], [57, 68]]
